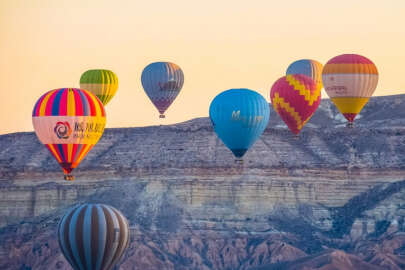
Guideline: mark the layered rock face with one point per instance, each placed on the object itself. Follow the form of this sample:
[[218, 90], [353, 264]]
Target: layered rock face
[[333, 197]]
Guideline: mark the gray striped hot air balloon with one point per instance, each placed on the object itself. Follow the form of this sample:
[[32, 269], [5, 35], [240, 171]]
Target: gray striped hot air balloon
[[93, 236], [162, 82]]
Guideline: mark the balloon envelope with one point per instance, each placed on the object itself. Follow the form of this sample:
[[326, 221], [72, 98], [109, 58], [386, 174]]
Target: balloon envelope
[[350, 80], [162, 82], [93, 236], [69, 121], [308, 67], [239, 117], [101, 82], [295, 98]]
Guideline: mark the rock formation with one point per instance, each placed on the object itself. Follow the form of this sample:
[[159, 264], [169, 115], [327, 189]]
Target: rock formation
[[332, 198]]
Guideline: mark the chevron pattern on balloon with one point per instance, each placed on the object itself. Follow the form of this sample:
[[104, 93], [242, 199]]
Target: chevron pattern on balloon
[[310, 96], [280, 106], [295, 98]]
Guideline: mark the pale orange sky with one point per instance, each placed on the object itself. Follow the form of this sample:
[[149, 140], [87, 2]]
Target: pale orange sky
[[47, 44]]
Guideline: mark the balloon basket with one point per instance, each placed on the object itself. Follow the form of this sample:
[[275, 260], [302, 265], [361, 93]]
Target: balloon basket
[[350, 125], [162, 116], [239, 161], [69, 177]]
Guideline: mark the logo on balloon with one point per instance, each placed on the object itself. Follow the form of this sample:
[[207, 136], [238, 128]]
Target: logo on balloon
[[337, 89], [62, 130], [170, 85], [249, 121]]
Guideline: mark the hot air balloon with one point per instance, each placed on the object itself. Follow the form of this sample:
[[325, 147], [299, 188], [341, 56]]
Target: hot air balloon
[[69, 121], [93, 236], [239, 117], [162, 82], [349, 81], [101, 82], [295, 98], [307, 67]]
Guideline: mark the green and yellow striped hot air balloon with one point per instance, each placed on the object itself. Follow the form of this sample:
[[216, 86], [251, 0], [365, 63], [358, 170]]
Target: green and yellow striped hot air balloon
[[101, 82]]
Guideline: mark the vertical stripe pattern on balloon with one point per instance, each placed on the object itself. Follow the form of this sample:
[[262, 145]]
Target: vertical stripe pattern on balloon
[[93, 236], [309, 68], [162, 82], [69, 121], [101, 82]]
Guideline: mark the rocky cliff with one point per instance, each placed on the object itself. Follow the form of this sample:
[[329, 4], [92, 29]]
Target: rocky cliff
[[333, 197]]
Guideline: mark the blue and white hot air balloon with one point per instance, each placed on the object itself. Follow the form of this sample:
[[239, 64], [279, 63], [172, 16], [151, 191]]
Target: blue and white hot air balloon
[[239, 117], [308, 67]]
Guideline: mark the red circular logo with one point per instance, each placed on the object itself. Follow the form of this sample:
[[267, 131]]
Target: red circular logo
[[62, 130]]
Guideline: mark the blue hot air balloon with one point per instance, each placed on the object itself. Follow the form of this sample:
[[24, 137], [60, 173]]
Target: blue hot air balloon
[[307, 67], [239, 117]]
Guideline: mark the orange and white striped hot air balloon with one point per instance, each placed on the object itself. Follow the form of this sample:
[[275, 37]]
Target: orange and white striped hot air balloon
[[350, 80]]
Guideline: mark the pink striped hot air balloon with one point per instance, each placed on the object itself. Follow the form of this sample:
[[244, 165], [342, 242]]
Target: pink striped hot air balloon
[[295, 98], [69, 121]]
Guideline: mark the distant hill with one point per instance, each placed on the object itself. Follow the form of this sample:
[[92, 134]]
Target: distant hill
[[325, 141]]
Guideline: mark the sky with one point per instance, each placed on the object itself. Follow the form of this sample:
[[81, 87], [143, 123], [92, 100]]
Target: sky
[[219, 45]]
